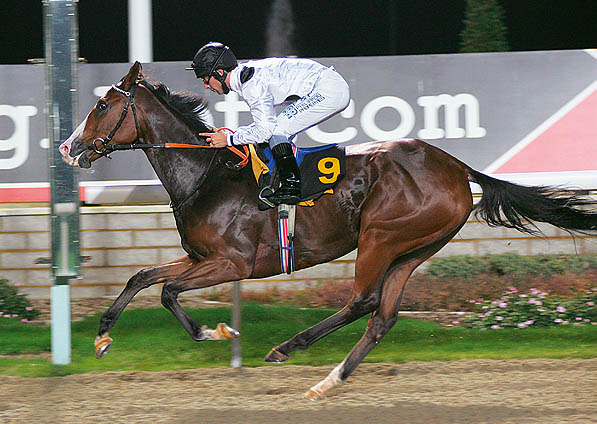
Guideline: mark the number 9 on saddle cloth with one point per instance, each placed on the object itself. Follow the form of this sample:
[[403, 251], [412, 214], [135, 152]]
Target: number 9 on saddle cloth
[[321, 169]]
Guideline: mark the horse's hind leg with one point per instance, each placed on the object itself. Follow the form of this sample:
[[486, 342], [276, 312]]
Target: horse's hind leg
[[364, 300], [349, 313], [381, 321], [370, 273], [385, 316]]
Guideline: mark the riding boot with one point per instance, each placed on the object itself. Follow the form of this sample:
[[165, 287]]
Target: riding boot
[[289, 191]]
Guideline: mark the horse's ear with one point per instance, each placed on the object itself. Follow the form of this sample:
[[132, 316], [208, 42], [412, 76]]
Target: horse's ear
[[134, 75]]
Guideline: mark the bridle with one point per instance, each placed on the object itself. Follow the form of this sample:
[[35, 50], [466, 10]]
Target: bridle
[[106, 148]]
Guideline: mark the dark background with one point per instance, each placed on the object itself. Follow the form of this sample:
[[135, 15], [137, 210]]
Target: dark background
[[323, 28]]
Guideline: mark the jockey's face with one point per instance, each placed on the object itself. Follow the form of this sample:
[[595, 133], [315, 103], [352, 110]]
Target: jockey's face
[[210, 83]]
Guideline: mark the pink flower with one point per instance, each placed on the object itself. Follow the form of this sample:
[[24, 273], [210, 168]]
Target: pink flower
[[503, 305], [579, 318], [495, 327], [24, 320], [591, 303], [498, 318], [561, 309], [28, 308], [521, 325], [558, 320]]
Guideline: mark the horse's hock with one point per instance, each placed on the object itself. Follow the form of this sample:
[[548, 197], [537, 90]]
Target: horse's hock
[[117, 241]]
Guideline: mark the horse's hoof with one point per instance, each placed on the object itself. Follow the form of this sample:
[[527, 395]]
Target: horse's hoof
[[276, 357], [226, 332], [314, 395], [102, 344]]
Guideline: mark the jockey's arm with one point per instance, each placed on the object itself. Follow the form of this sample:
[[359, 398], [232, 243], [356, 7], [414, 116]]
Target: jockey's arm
[[261, 105]]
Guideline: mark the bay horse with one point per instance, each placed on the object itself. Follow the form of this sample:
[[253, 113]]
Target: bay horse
[[399, 203]]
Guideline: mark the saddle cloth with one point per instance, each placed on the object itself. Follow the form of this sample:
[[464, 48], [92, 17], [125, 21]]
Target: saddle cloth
[[321, 169]]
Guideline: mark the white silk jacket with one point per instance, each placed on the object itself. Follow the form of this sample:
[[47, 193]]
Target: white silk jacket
[[274, 80]]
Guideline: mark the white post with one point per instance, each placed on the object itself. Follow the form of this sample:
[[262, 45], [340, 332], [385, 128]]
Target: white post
[[61, 334], [140, 31], [236, 359]]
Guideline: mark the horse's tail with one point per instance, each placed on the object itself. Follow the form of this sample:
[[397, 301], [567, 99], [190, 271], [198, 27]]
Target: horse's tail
[[515, 206]]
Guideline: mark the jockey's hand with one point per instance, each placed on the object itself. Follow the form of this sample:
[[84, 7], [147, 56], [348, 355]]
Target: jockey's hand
[[216, 139]]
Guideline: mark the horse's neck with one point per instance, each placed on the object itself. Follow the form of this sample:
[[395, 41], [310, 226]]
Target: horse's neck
[[181, 171]]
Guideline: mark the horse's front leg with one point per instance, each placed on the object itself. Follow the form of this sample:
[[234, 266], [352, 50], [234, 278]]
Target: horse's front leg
[[141, 280], [210, 271], [181, 270]]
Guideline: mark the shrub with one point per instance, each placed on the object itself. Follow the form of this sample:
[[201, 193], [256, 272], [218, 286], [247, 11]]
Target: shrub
[[510, 264], [14, 304], [457, 267], [535, 308]]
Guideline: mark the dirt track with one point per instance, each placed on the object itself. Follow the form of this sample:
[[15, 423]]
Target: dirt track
[[482, 391]]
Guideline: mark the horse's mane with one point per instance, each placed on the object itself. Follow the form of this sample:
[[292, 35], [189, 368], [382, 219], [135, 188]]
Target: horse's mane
[[191, 107]]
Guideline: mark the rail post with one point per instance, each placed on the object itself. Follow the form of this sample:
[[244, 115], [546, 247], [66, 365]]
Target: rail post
[[61, 57]]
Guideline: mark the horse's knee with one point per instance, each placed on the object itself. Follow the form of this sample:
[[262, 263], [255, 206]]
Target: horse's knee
[[168, 296], [141, 280], [365, 303]]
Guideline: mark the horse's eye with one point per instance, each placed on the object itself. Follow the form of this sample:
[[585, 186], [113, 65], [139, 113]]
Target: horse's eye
[[101, 105]]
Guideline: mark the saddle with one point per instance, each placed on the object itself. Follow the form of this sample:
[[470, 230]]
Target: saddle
[[321, 169]]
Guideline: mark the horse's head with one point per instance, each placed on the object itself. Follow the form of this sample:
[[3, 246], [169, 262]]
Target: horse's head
[[112, 121]]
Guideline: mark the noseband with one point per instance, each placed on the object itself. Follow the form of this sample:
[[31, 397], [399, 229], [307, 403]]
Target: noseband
[[106, 148]]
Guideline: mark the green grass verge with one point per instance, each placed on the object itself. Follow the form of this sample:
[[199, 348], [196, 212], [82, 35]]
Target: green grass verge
[[152, 339]]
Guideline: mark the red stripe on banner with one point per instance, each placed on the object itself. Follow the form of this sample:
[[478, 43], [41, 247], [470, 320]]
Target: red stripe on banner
[[30, 194], [568, 145]]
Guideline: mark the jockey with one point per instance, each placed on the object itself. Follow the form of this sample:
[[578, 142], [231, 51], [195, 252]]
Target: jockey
[[315, 93]]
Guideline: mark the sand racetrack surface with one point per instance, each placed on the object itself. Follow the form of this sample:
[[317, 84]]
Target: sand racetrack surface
[[477, 391]]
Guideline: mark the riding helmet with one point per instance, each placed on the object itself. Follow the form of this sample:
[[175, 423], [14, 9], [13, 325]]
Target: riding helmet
[[212, 56]]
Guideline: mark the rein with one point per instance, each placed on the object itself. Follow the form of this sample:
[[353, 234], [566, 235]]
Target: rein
[[106, 148]]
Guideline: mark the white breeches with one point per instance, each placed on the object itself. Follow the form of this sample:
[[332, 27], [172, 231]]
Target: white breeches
[[329, 96]]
